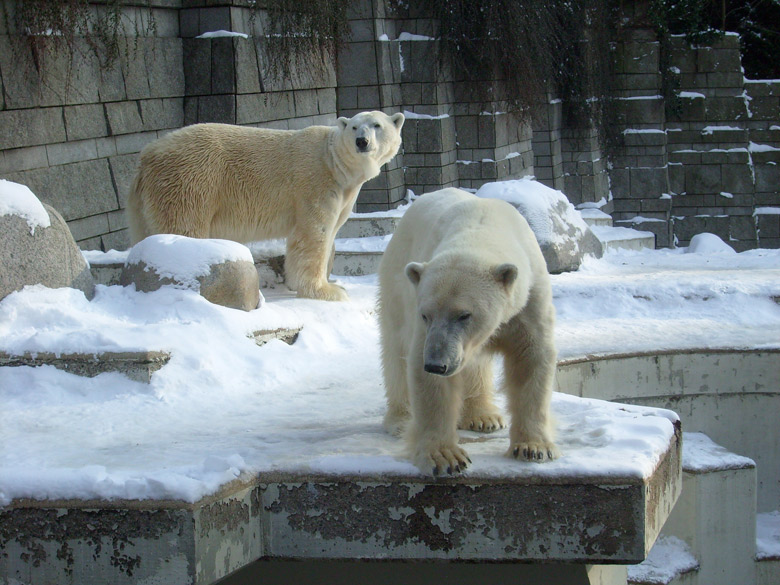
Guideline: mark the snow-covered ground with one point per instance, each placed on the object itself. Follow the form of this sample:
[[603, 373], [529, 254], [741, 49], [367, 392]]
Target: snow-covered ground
[[223, 406]]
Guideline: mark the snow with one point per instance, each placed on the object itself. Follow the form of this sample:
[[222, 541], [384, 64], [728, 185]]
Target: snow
[[405, 36], [754, 147], [16, 199], [701, 455], [217, 34], [222, 407], [534, 200], [709, 130], [669, 558], [705, 243], [185, 259], [692, 95], [415, 116], [768, 535]]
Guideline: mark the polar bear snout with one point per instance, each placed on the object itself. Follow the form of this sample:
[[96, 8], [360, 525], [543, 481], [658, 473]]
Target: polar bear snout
[[361, 142], [438, 369], [441, 355]]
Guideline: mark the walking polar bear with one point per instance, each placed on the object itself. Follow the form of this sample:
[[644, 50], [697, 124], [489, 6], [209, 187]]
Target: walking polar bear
[[462, 279], [247, 184]]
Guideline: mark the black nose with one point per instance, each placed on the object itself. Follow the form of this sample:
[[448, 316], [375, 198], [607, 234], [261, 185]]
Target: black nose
[[438, 369], [361, 143]]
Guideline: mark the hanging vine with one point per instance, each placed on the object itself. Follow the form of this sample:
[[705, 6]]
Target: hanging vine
[[50, 27], [518, 51], [304, 35]]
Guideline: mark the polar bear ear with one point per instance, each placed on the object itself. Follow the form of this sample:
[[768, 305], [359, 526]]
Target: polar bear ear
[[414, 272], [398, 120], [505, 274], [343, 122]]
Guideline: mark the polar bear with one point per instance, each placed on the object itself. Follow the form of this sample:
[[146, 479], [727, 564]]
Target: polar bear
[[461, 279], [247, 184]]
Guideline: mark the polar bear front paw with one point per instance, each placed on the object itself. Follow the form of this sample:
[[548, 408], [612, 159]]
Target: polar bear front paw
[[482, 423], [537, 452], [449, 459]]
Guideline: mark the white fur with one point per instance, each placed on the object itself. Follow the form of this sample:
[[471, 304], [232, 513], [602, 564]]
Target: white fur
[[247, 184], [462, 279]]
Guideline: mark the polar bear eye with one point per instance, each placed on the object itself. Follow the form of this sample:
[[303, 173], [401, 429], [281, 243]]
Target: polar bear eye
[[377, 125], [424, 318], [463, 317]]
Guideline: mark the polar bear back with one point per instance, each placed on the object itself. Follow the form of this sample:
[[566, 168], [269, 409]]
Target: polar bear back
[[231, 173]]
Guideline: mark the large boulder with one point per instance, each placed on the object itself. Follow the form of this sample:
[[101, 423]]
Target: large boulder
[[563, 236], [221, 271], [36, 246]]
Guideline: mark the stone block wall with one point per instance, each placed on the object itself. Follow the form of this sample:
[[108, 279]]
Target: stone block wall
[[73, 134]]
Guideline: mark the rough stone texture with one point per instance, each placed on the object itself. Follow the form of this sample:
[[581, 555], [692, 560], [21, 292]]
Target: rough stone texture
[[138, 366], [48, 256], [233, 284]]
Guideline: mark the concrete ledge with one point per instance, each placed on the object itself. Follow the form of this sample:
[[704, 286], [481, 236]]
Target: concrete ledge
[[280, 515], [731, 395], [136, 365]]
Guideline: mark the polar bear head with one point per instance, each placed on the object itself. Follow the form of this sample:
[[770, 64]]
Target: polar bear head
[[461, 301], [372, 137]]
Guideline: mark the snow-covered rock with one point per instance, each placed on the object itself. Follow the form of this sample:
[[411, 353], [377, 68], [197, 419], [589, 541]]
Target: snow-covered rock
[[222, 271], [36, 246], [564, 237]]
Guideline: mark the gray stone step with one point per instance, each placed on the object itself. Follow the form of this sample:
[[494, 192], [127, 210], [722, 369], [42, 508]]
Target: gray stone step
[[359, 256], [619, 238], [596, 217], [369, 225]]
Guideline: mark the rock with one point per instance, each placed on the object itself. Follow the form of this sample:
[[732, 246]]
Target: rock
[[221, 271], [36, 246], [563, 236]]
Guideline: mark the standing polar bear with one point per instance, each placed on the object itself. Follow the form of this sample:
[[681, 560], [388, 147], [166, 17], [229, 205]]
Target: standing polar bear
[[462, 279], [247, 184]]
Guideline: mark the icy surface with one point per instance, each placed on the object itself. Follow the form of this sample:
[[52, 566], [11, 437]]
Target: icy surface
[[16, 199]]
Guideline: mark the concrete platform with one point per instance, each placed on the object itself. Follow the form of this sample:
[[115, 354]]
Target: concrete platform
[[551, 517]]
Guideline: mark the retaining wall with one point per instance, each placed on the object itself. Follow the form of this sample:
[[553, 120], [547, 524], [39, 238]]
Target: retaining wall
[[709, 163]]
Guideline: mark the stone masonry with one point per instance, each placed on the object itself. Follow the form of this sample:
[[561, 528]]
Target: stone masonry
[[707, 162]]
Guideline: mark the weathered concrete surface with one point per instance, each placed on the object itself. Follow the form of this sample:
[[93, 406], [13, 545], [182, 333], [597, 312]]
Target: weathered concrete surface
[[577, 520], [560, 520], [95, 543], [136, 365], [733, 396], [721, 537]]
